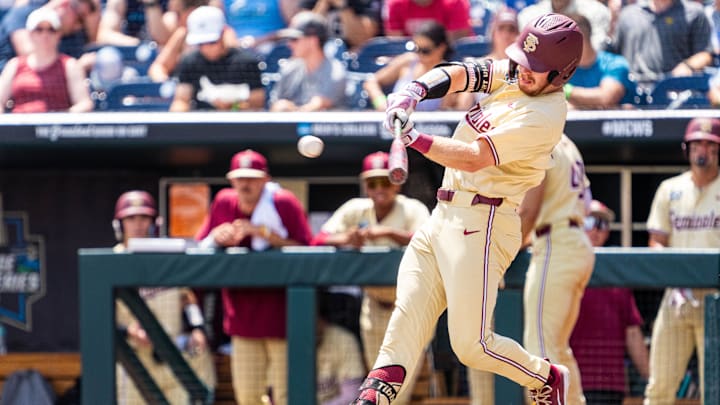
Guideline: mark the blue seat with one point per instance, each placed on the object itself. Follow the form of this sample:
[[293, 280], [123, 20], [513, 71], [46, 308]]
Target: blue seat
[[376, 53], [138, 96], [356, 96], [138, 57], [676, 92], [275, 57], [471, 47]]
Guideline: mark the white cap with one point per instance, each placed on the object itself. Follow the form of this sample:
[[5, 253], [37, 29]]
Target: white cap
[[205, 24], [42, 14]]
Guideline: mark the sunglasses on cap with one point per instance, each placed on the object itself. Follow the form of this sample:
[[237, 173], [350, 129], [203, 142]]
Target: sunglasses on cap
[[375, 182], [594, 222], [44, 29]]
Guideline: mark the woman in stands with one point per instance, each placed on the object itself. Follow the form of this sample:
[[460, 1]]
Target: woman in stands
[[431, 47], [44, 80]]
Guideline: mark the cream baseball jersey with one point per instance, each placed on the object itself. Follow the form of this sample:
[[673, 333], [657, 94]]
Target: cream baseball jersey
[[408, 214], [690, 216], [521, 132], [565, 185]]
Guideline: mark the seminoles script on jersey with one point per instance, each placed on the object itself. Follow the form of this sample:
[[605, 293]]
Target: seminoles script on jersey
[[681, 222]]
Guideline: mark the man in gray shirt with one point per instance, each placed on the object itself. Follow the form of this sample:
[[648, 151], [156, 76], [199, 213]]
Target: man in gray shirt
[[663, 37], [309, 81]]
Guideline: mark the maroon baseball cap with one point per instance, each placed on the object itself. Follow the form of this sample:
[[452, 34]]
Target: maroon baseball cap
[[135, 202], [703, 129], [247, 164], [375, 165]]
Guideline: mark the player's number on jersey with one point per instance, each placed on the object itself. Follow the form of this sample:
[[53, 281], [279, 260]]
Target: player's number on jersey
[[577, 177]]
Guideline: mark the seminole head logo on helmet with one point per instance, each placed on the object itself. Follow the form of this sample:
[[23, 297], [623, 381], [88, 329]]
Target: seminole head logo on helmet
[[530, 43]]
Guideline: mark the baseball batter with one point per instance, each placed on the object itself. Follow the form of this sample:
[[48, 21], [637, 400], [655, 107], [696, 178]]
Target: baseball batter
[[383, 218], [135, 216], [456, 260], [684, 214], [562, 260]]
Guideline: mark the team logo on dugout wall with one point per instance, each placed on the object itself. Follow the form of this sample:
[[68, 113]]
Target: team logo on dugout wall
[[22, 270], [530, 43]]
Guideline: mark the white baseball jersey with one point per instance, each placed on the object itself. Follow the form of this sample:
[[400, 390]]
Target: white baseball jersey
[[688, 215], [407, 214], [565, 185]]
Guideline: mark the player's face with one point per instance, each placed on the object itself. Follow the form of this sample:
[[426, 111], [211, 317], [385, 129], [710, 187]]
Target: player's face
[[703, 153], [248, 190], [381, 191], [597, 230], [136, 226], [533, 83], [45, 37]]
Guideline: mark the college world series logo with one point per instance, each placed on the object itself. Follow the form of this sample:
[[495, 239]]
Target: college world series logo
[[22, 270]]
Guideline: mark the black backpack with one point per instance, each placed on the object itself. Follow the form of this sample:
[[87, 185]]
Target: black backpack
[[27, 387]]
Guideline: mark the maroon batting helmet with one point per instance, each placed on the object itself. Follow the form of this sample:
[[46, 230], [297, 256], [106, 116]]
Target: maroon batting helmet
[[131, 203], [550, 43], [699, 129], [135, 203]]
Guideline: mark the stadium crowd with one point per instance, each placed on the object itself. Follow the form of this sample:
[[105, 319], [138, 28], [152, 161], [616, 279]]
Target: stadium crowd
[[284, 51]]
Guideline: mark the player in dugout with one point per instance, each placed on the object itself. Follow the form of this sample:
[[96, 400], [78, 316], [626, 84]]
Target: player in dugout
[[136, 216]]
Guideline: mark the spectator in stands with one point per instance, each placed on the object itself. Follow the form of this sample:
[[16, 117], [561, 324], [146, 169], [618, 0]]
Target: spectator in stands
[[663, 37], [45, 79], [684, 215], [354, 21], [166, 61], [79, 21], [504, 29], [597, 13], [403, 17], [600, 351], [601, 80], [309, 81], [383, 218], [712, 12], [129, 22], [257, 22], [431, 48], [713, 94], [339, 364], [136, 217], [214, 76], [258, 214]]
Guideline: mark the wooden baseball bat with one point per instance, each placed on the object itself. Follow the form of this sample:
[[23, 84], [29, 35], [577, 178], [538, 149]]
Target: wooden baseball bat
[[398, 158]]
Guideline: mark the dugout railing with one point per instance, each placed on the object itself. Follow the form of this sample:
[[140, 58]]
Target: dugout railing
[[302, 271]]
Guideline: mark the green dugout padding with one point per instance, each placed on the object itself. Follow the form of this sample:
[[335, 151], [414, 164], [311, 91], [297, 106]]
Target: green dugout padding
[[100, 271]]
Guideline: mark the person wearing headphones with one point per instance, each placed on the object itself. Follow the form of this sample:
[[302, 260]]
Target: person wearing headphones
[[136, 217]]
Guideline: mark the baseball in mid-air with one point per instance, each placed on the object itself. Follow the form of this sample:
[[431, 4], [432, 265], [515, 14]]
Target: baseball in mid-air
[[310, 146]]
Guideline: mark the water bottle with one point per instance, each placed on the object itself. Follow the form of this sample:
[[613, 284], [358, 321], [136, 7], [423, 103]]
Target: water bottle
[[3, 346]]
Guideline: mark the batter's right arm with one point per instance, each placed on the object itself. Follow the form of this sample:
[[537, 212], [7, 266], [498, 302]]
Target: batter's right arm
[[529, 210]]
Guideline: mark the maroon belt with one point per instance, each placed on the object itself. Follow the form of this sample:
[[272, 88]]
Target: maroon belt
[[444, 194], [545, 229]]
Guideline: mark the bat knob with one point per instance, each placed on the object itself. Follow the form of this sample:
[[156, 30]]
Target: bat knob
[[397, 176]]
